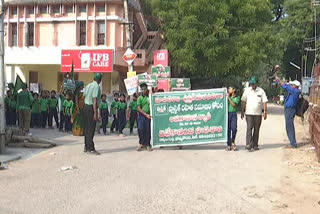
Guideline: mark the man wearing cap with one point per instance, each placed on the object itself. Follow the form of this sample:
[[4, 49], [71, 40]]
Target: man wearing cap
[[290, 104], [24, 103], [254, 104], [92, 99], [144, 119]]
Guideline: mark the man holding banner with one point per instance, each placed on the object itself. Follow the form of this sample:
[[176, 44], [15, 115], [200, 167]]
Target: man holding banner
[[144, 119]]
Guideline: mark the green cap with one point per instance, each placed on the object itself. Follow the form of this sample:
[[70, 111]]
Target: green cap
[[143, 85], [253, 80], [11, 85], [79, 84], [97, 76]]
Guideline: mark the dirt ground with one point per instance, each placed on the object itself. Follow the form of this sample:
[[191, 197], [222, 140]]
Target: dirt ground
[[196, 179]]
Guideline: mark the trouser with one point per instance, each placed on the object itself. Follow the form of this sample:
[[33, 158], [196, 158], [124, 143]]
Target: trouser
[[133, 118], [289, 114], [7, 117], [35, 120], [25, 119], [144, 130], [67, 123], [122, 120], [61, 124], [53, 113], [114, 124], [105, 119], [11, 117], [253, 123], [232, 127], [90, 126], [44, 118]]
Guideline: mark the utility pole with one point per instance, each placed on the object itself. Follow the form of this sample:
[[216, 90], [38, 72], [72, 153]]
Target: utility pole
[[315, 4], [2, 82], [315, 35], [127, 27]]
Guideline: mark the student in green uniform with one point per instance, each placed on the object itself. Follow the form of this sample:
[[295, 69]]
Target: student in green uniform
[[133, 112], [68, 111], [24, 102], [114, 105], [11, 109], [35, 111], [61, 100], [121, 114], [44, 109], [144, 119], [92, 101], [53, 110], [104, 113], [233, 102]]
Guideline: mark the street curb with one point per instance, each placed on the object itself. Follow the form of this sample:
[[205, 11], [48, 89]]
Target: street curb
[[8, 160]]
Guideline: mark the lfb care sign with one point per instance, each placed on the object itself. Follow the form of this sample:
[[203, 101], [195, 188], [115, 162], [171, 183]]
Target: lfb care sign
[[87, 60], [189, 117]]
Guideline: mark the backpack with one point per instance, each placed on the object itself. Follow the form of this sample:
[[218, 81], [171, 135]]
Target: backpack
[[301, 107]]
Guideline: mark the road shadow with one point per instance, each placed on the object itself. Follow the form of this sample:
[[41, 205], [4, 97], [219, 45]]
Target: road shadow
[[117, 150], [221, 147]]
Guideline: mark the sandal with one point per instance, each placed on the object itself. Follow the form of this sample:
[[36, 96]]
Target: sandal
[[228, 148], [234, 147]]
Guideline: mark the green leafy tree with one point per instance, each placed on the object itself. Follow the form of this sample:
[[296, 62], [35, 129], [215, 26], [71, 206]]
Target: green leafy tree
[[218, 37], [295, 26]]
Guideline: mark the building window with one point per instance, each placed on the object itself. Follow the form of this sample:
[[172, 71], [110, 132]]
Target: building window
[[14, 11], [82, 8], [43, 9], [83, 33], [69, 9], [56, 9], [31, 10], [101, 8], [14, 35], [30, 39], [139, 56], [101, 32]]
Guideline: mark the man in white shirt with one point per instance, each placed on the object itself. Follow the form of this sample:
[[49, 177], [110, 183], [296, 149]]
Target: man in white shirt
[[254, 104]]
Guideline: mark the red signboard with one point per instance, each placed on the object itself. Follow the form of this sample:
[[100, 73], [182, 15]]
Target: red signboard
[[87, 60], [164, 84], [161, 57]]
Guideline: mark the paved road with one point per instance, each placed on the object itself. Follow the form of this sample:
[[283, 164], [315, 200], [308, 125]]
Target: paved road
[[199, 179]]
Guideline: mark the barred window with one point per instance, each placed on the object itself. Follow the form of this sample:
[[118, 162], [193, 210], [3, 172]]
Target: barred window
[[101, 8], [101, 33], [56, 9], [31, 10], [14, 35], [82, 8], [14, 11], [43, 9], [69, 9], [30, 39], [83, 33]]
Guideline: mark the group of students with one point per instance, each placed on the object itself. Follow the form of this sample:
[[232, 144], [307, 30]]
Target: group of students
[[121, 111], [31, 110], [39, 111]]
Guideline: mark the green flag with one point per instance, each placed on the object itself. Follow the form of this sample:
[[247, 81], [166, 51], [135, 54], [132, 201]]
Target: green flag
[[19, 84]]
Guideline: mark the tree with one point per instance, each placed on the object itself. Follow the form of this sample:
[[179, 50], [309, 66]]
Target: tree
[[218, 37], [295, 26]]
